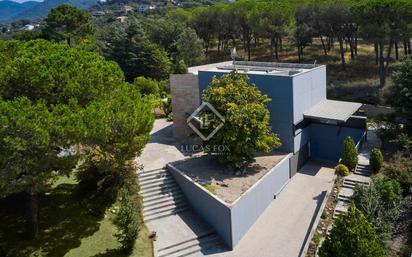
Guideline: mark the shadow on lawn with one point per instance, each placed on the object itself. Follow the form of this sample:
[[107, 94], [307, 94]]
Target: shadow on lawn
[[66, 216]]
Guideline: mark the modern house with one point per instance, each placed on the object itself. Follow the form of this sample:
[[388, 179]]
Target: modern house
[[308, 124]]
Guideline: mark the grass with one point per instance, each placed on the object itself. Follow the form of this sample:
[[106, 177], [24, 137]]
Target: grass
[[73, 223]]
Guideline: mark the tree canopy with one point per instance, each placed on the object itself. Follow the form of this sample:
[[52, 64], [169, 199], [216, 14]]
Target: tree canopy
[[246, 127], [66, 22]]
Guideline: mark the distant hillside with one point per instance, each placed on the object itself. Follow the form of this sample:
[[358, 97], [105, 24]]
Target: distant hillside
[[9, 9], [36, 10]]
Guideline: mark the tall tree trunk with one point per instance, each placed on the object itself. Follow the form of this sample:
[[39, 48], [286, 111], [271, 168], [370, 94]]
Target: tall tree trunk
[[299, 57], [34, 214], [405, 47], [271, 49], [218, 46], [276, 49], [324, 46], [409, 46], [388, 55], [352, 53], [396, 50], [356, 45], [280, 44], [342, 52], [376, 53], [381, 66]]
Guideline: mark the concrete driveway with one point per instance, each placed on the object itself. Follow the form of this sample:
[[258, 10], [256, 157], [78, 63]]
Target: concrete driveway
[[282, 229]]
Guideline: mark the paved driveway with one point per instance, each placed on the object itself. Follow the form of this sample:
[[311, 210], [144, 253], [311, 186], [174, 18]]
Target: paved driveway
[[282, 229]]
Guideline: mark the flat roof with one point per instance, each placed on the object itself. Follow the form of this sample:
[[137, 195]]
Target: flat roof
[[262, 68], [332, 110]]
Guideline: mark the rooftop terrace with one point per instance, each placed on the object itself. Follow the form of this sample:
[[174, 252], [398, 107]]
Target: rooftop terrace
[[263, 68]]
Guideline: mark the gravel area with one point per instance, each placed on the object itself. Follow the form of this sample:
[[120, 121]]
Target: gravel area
[[225, 183]]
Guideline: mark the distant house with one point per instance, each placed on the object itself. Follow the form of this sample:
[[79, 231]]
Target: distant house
[[122, 18], [127, 8], [98, 13], [28, 27], [144, 7]]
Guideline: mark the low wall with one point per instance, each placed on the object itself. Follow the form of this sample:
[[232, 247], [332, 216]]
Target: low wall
[[213, 210], [247, 209], [232, 221]]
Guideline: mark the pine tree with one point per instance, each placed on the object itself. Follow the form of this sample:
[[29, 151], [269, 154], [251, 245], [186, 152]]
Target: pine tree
[[352, 235]]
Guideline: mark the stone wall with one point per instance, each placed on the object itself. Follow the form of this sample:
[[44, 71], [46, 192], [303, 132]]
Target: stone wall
[[185, 99]]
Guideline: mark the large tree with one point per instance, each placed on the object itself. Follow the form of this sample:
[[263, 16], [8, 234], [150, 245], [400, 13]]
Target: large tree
[[51, 104], [32, 138], [129, 46], [66, 22], [271, 20], [54, 72], [246, 127]]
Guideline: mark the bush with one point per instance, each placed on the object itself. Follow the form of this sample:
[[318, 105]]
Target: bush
[[349, 156], [128, 220], [166, 106], [381, 203], [376, 160], [399, 168], [147, 86], [342, 170], [352, 235], [169, 117]]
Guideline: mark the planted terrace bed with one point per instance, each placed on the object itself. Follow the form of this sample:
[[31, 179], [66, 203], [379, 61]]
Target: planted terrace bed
[[227, 184]]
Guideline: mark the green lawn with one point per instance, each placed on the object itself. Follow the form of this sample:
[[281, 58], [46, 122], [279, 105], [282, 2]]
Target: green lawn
[[72, 224]]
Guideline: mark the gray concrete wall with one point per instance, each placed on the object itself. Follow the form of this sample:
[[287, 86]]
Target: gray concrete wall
[[247, 209], [185, 99], [213, 210], [309, 88]]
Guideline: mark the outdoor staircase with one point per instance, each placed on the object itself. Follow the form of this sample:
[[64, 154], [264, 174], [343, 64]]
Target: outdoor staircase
[[161, 195], [360, 177]]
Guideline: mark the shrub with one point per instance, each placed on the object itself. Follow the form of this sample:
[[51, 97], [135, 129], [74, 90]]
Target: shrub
[[376, 160], [399, 168], [381, 203], [166, 106], [147, 86], [342, 170], [349, 156], [352, 235], [246, 128], [169, 117], [128, 220]]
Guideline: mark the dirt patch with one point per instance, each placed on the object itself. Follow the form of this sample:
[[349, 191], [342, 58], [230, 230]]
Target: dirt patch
[[227, 184]]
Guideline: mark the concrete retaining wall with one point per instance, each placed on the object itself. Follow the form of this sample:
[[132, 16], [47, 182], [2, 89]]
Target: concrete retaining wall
[[247, 209], [213, 210], [232, 221]]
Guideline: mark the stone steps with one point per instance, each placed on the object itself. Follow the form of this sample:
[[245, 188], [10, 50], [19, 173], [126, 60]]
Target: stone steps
[[161, 195]]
